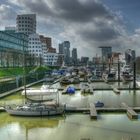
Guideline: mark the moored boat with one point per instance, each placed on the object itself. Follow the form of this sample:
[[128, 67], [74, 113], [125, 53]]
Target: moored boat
[[34, 109], [99, 104]]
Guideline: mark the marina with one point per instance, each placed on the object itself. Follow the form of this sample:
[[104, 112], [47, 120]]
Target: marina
[[75, 95], [78, 108]]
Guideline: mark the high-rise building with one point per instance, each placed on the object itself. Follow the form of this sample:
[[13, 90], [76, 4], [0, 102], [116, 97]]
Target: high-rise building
[[61, 48], [26, 23], [74, 56], [64, 48], [130, 56], [106, 53]]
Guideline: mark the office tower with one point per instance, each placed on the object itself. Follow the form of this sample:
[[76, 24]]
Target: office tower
[[26, 23], [64, 48], [106, 53], [74, 56]]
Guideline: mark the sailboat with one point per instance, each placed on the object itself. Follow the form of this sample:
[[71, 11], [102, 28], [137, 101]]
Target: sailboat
[[35, 108]]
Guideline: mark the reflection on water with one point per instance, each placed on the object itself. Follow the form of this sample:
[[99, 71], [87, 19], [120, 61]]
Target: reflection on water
[[110, 99], [71, 127], [74, 126]]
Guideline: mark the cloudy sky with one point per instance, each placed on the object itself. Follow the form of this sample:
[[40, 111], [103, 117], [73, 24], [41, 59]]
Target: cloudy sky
[[87, 24]]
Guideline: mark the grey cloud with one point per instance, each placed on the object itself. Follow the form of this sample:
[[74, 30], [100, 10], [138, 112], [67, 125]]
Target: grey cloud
[[7, 16], [74, 10], [40, 7], [102, 34], [71, 10], [72, 18], [6, 12]]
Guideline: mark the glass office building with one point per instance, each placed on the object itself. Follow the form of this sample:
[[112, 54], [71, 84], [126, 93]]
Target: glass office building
[[12, 47]]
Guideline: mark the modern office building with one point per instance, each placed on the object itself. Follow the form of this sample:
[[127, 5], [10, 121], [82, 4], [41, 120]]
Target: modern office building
[[35, 49], [64, 48], [74, 56], [51, 59], [12, 48], [106, 53], [61, 48], [26, 23]]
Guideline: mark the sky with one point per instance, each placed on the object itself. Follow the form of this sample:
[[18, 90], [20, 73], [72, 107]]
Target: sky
[[87, 24]]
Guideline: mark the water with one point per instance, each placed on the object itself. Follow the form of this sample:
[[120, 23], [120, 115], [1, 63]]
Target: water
[[112, 126], [71, 127]]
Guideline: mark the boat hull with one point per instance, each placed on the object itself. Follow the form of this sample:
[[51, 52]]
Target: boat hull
[[32, 113]]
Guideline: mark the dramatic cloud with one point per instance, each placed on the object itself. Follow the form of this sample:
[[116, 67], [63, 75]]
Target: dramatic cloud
[[6, 15], [87, 24]]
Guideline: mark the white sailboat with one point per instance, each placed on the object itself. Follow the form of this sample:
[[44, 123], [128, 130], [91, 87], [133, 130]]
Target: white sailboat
[[35, 108]]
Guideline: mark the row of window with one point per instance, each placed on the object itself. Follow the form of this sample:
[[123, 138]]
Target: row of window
[[26, 25], [19, 17], [34, 42], [50, 56], [24, 21], [35, 50], [34, 39], [35, 46], [11, 38], [6, 44], [25, 29]]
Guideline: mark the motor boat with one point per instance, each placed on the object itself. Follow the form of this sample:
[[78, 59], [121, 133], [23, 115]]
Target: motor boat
[[99, 104]]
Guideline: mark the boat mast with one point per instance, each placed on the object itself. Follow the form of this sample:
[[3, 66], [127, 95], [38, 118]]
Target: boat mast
[[24, 71]]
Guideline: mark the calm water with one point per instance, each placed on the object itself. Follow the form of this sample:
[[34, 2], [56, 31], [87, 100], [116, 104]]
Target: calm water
[[71, 127], [74, 126]]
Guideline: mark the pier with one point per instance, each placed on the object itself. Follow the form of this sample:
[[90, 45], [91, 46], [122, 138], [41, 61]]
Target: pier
[[93, 112], [130, 112], [19, 89]]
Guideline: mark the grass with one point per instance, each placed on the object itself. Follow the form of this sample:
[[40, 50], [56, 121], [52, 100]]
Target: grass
[[9, 72]]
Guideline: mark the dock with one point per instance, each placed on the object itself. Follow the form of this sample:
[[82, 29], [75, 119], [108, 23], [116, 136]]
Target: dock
[[130, 112], [93, 112], [20, 88]]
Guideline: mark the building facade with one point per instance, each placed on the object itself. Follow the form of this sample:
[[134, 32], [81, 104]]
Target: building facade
[[13, 46], [26, 23], [106, 53], [51, 59], [74, 56], [64, 49], [35, 49], [48, 42]]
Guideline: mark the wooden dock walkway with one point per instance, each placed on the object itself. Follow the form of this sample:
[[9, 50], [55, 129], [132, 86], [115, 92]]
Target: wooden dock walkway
[[20, 88], [93, 112], [130, 112]]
